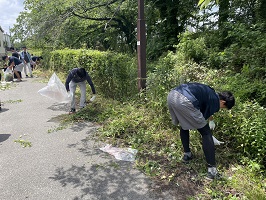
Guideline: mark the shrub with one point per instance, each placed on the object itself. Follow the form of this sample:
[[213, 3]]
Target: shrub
[[244, 128], [114, 74], [193, 49]]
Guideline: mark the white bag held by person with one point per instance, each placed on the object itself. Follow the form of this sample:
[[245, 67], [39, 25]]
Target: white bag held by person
[[216, 142], [55, 90]]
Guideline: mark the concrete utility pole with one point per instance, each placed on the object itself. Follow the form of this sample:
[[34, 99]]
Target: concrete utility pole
[[141, 44]]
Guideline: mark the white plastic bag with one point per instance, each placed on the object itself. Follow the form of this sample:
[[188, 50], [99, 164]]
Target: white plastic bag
[[127, 154], [55, 90], [216, 142], [8, 75]]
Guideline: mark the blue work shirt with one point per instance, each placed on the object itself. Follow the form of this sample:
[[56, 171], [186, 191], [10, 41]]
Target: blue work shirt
[[203, 97], [15, 60]]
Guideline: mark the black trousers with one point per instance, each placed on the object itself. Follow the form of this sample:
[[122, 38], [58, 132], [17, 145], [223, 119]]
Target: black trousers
[[207, 143], [15, 76]]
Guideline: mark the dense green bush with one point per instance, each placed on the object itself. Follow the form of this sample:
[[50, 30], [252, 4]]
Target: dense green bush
[[248, 48], [193, 49], [114, 74], [160, 81], [244, 130], [243, 85]]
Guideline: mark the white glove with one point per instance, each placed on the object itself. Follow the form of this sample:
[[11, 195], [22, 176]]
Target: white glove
[[69, 94], [216, 142], [211, 124], [92, 98]]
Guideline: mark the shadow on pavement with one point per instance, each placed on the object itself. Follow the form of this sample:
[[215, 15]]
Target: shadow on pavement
[[59, 107], [103, 179], [3, 110], [88, 147], [56, 119], [80, 126], [109, 180], [4, 137]]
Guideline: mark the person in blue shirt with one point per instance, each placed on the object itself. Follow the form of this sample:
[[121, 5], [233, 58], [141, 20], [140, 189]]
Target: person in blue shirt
[[26, 57], [36, 61], [15, 54], [79, 76], [14, 64], [191, 105]]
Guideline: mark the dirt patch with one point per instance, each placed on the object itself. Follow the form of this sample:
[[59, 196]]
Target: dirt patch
[[185, 184]]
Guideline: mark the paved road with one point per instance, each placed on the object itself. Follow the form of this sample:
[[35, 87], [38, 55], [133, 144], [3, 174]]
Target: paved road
[[62, 165]]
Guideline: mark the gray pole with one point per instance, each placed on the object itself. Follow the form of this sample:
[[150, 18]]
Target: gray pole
[[141, 44]]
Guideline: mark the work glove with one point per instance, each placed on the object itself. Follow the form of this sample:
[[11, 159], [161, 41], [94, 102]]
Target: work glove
[[92, 98], [211, 124]]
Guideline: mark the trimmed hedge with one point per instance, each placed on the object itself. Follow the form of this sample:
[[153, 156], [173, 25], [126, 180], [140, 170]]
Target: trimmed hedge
[[113, 74]]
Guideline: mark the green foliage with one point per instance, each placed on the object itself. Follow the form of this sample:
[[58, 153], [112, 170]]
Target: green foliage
[[245, 128], [169, 72], [4, 85], [243, 85], [95, 24], [204, 3], [245, 183], [193, 49], [245, 124], [23, 143], [144, 123], [116, 75], [113, 74], [160, 81], [247, 49]]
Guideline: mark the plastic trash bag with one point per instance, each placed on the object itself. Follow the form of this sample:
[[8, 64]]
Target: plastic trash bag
[[55, 90], [216, 142], [125, 154], [8, 77]]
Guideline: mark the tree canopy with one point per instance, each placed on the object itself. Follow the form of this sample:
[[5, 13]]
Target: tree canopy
[[112, 24]]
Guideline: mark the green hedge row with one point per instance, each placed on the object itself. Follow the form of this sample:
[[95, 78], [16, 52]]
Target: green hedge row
[[114, 74]]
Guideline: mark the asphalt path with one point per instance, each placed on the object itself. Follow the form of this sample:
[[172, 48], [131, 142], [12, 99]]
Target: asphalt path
[[62, 163]]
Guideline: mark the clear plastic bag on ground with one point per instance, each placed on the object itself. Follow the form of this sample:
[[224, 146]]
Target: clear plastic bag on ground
[[55, 90], [125, 154]]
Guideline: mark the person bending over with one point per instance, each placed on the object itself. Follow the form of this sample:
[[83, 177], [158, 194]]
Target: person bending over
[[15, 64], [79, 76], [191, 105]]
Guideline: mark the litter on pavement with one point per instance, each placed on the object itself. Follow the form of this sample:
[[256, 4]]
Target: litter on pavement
[[125, 154]]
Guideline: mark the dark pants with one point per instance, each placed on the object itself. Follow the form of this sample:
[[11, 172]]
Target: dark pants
[[207, 143], [15, 76]]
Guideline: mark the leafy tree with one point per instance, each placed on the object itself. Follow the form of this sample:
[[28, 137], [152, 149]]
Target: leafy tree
[[166, 19], [108, 24]]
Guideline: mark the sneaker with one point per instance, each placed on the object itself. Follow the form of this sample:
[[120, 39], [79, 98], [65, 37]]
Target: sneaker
[[27, 76], [72, 110], [216, 176], [213, 174], [186, 158]]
